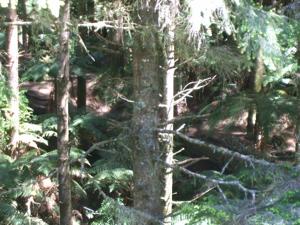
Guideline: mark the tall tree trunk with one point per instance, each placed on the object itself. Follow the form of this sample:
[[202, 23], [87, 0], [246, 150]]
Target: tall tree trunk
[[81, 93], [118, 57], [171, 7], [297, 132], [13, 75], [297, 128], [258, 83], [152, 178], [63, 118], [25, 30], [86, 8], [147, 168], [254, 128]]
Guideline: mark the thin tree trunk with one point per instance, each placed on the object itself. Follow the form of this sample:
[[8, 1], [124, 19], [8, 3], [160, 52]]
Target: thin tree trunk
[[258, 79], [254, 128], [81, 93], [298, 135], [13, 75], [167, 144], [63, 118], [87, 8], [25, 30], [117, 40], [147, 168]]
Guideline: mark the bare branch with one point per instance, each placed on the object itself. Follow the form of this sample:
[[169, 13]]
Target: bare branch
[[18, 23], [217, 149], [234, 183], [108, 24], [190, 161], [183, 118], [187, 90]]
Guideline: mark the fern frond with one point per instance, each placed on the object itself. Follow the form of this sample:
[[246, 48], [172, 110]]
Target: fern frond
[[9, 215]]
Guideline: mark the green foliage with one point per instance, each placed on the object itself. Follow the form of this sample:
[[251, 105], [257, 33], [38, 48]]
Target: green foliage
[[94, 125], [204, 211], [270, 107], [286, 211], [275, 35], [9, 215], [114, 179], [114, 212], [4, 123], [25, 112]]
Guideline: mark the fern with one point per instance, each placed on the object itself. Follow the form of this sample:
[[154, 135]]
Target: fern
[[113, 178], [9, 215]]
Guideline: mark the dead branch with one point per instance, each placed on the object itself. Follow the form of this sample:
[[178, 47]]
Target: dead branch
[[221, 150], [234, 183], [105, 24], [187, 90], [190, 161], [184, 118]]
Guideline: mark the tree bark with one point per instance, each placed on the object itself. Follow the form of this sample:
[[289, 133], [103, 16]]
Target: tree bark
[[171, 6], [147, 169], [13, 75], [153, 66], [254, 127], [86, 9], [81, 93], [63, 118], [25, 30], [118, 57]]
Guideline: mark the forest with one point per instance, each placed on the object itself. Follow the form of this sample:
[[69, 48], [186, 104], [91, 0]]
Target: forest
[[149, 112]]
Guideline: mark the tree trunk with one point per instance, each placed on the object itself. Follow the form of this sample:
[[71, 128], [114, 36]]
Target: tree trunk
[[118, 57], [86, 8], [147, 168], [171, 7], [25, 30], [81, 93], [63, 118], [152, 179], [258, 79], [297, 133], [13, 75], [254, 128]]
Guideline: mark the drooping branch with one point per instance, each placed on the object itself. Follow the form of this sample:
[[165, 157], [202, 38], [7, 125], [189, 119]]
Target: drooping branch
[[217, 149]]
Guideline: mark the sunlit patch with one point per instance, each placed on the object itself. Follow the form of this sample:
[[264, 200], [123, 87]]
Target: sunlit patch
[[204, 14]]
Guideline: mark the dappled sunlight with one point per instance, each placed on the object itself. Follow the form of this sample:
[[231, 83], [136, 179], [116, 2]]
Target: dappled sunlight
[[205, 13]]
